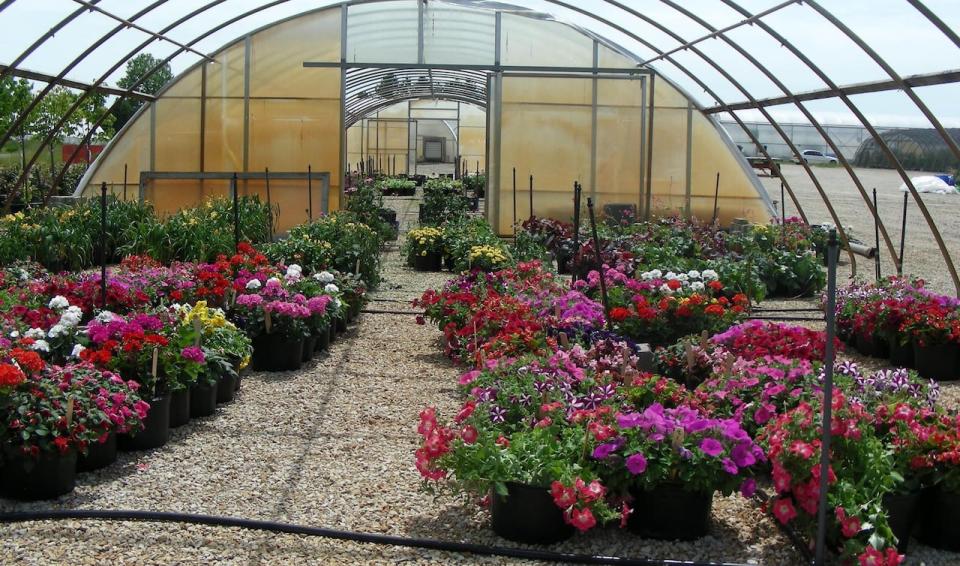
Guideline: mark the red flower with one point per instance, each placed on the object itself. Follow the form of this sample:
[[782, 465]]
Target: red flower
[[563, 496], [582, 519], [618, 314], [801, 449], [716, 285], [674, 284], [62, 443], [468, 434], [591, 491], [714, 309], [784, 511], [29, 361], [10, 376]]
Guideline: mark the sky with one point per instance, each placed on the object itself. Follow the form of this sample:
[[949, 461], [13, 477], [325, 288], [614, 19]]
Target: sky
[[893, 28]]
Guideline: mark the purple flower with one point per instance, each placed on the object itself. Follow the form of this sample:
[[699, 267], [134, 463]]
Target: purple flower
[[497, 414], [743, 455], [711, 447], [194, 354], [636, 463], [748, 487], [729, 466], [604, 450]]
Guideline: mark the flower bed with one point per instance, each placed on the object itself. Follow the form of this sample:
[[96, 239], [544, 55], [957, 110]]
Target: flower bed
[[550, 402]]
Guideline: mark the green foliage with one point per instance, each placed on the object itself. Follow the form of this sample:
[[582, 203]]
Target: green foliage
[[443, 201], [338, 242], [462, 234], [137, 68], [366, 202]]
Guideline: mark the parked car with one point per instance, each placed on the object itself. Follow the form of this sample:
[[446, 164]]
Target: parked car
[[814, 156]]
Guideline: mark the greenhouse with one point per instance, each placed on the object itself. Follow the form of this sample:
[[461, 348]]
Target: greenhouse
[[438, 281], [918, 150]]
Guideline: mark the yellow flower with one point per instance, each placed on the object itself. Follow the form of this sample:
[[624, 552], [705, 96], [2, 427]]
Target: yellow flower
[[423, 253]]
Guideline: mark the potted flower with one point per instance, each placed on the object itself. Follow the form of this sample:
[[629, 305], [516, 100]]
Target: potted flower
[[488, 258], [424, 248], [934, 327], [277, 323], [672, 461]]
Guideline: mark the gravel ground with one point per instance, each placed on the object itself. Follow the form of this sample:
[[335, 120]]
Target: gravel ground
[[332, 446]]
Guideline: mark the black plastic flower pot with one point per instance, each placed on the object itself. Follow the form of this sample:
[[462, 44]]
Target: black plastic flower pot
[[528, 515], [902, 514], [940, 520], [449, 263], [203, 400], [47, 476], [433, 261], [309, 345], [272, 352], [99, 454], [668, 512], [156, 427], [323, 340], [341, 324], [936, 361], [355, 309], [871, 346], [900, 355], [226, 388], [179, 408]]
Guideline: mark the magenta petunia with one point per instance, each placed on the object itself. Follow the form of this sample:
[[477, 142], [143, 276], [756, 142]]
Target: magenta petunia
[[636, 463], [711, 447]]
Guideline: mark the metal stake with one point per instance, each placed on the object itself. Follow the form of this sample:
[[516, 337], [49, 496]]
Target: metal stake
[[576, 226], [236, 212], [596, 249], [103, 245], [266, 178], [716, 199], [124, 182], [903, 233], [514, 202], [876, 234], [531, 196], [309, 193], [833, 251]]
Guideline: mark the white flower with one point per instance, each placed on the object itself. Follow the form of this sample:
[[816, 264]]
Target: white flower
[[336, 303], [15, 334], [331, 288], [693, 274], [294, 269], [670, 276], [697, 286], [683, 277], [56, 331], [665, 289], [105, 316], [41, 346], [24, 275], [324, 277], [71, 317], [646, 276], [59, 302], [709, 275], [655, 274], [253, 284], [75, 353], [36, 333]]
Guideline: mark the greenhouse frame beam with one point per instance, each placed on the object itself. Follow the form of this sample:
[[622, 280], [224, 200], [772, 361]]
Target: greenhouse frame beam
[[927, 79], [473, 67], [43, 38], [721, 31], [93, 8], [42, 77]]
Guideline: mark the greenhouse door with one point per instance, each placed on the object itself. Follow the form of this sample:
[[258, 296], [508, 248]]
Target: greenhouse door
[[561, 129]]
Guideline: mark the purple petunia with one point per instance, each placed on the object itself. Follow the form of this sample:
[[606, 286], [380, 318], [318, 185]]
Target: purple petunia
[[636, 463], [711, 447]]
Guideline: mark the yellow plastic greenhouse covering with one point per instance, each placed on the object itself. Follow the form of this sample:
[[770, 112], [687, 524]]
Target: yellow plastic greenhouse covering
[[564, 106]]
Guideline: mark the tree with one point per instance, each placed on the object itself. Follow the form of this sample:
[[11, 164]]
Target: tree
[[137, 68], [15, 96]]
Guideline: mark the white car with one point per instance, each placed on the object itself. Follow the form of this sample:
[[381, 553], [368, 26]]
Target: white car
[[814, 156]]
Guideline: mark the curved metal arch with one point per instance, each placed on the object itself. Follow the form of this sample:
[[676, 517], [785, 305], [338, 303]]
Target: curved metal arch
[[388, 103], [468, 86], [876, 136]]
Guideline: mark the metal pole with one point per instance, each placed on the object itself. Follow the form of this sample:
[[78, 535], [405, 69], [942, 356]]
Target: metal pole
[[531, 196], [236, 212], [716, 198], [266, 179], [124, 182], [876, 233], [783, 205], [903, 232], [576, 226], [514, 202], [103, 245], [309, 193], [596, 249], [833, 251]]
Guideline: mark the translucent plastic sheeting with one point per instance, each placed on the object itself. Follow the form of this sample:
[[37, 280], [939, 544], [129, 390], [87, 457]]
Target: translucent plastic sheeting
[[473, 137], [455, 35]]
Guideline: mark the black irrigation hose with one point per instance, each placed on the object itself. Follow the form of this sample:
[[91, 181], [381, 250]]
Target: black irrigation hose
[[412, 313], [372, 538], [787, 318]]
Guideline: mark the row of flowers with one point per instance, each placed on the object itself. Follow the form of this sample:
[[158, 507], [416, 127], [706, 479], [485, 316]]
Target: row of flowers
[[551, 400], [73, 372]]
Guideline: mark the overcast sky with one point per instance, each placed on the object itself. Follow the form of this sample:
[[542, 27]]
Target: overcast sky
[[902, 36]]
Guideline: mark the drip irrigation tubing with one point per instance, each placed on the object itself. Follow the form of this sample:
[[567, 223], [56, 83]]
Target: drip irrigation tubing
[[378, 311], [787, 318], [371, 538]]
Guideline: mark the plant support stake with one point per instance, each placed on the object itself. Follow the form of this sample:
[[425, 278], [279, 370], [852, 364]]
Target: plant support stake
[[124, 182], [531, 196], [833, 252], [103, 245], [514, 202], [309, 193], [236, 212], [876, 234], [596, 249], [266, 179], [576, 227], [716, 199], [903, 232]]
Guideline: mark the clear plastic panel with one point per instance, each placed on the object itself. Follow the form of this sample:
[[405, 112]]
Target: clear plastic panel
[[188, 85], [225, 77], [456, 35], [223, 135], [530, 42], [382, 32]]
